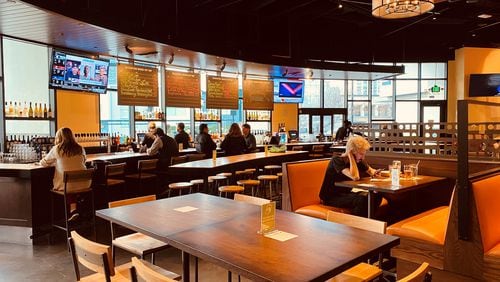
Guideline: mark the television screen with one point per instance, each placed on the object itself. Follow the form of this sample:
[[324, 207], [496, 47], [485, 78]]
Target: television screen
[[484, 85], [289, 92], [75, 72]]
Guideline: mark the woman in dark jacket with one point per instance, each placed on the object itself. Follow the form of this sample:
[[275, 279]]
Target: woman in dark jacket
[[234, 142]]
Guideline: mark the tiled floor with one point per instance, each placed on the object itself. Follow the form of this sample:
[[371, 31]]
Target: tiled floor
[[45, 262]]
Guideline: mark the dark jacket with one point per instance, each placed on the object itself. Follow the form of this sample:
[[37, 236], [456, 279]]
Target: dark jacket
[[234, 145], [168, 150], [182, 138], [205, 144]]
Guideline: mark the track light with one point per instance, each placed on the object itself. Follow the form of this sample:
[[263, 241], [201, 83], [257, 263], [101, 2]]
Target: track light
[[223, 65], [171, 59], [285, 73], [310, 74], [340, 4]]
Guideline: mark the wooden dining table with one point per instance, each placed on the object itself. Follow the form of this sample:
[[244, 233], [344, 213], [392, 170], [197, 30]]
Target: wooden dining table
[[384, 185], [224, 232]]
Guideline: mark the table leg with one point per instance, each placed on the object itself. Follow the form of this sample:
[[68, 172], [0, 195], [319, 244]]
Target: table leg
[[185, 267], [371, 204]]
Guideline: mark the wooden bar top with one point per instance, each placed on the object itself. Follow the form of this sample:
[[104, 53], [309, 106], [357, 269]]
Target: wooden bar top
[[114, 156]]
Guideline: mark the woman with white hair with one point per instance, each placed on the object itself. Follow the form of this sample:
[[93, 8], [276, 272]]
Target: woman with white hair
[[351, 165]]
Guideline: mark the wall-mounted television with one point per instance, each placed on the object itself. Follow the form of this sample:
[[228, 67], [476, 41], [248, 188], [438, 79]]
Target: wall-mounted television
[[286, 91], [484, 85], [74, 72]]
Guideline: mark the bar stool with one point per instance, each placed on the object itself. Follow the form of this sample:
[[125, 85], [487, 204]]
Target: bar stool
[[215, 181], [226, 174], [145, 172], [198, 183], [317, 151], [272, 169], [114, 178], [76, 183], [243, 174], [179, 186], [268, 180], [252, 170], [252, 183], [230, 189]]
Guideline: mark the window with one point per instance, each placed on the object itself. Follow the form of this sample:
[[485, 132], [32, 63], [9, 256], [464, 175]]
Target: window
[[176, 115], [433, 70], [115, 119], [406, 89], [231, 116], [312, 94], [357, 90], [334, 95], [358, 112], [411, 71], [433, 89], [407, 112]]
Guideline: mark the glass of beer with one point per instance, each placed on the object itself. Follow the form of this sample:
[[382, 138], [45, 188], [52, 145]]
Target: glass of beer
[[407, 172]]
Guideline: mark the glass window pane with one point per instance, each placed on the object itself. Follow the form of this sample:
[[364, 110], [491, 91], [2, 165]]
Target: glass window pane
[[357, 89], [432, 113], [338, 121], [327, 125], [176, 115], [411, 70], [406, 89], [433, 70], [312, 94], [316, 125], [231, 116], [304, 127], [433, 89], [115, 119], [382, 99], [407, 111], [358, 112], [334, 95]]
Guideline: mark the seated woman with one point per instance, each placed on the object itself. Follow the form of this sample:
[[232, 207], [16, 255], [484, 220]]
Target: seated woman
[[348, 166], [234, 142]]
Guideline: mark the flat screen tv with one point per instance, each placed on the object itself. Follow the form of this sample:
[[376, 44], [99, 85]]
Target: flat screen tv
[[484, 85], [74, 72], [289, 92]]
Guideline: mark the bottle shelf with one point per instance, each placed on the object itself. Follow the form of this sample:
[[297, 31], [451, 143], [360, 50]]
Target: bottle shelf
[[207, 120], [257, 120], [150, 119], [28, 118]]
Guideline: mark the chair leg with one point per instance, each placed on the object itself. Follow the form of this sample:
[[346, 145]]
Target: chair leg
[[66, 220], [153, 258], [94, 228], [51, 218], [113, 252], [229, 276]]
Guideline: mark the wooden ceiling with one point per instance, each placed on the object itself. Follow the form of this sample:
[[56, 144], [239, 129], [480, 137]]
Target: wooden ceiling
[[280, 36]]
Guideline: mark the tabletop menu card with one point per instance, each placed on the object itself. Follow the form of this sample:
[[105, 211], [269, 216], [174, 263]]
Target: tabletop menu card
[[258, 94], [182, 89], [222, 93], [137, 85], [267, 218]]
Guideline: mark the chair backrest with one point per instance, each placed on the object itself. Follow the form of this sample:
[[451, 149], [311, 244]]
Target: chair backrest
[[195, 157], [297, 148], [304, 180], [116, 170], [94, 256], [132, 201], [419, 275], [147, 165], [141, 272], [357, 221], [251, 200], [318, 148], [78, 180], [179, 160], [487, 196]]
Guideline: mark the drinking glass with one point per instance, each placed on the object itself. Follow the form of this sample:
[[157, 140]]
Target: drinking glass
[[407, 172]]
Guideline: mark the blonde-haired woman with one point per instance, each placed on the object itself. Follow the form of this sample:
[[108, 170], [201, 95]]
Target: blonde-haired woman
[[348, 166], [66, 155]]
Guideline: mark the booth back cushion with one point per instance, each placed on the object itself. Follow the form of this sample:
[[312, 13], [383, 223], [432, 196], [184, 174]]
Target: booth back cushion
[[487, 197], [304, 182]]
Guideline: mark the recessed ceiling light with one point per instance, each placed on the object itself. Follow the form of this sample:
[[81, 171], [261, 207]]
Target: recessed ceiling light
[[484, 16]]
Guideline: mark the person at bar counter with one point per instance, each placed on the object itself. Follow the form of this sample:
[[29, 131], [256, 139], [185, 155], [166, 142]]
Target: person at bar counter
[[351, 165], [164, 147], [149, 138], [251, 143], [234, 142], [182, 137], [66, 155], [204, 143], [344, 131]]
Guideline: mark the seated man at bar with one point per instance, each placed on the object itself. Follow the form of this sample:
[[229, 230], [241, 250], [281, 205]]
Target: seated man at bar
[[249, 139], [204, 143], [182, 137], [344, 131], [234, 142], [348, 166], [149, 138], [165, 148]]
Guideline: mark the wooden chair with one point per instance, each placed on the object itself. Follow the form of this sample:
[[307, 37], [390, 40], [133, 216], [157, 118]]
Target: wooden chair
[[251, 200], [97, 258], [76, 183], [136, 243], [362, 271], [317, 151], [145, 171], [143, 271], [179, 160], [114, 177], [421, 274]]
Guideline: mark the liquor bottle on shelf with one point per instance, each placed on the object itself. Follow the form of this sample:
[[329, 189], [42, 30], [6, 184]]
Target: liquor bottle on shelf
[[25, 110], [50, 114], [6, 109], [30, 111], [11, 109], [45, 113]]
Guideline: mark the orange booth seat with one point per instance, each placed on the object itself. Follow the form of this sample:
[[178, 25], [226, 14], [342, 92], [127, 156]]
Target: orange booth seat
[[487, 197]]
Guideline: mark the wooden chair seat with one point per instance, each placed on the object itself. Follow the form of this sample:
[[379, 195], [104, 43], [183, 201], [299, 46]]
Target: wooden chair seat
[[216, 177], [319, 211], [140, 176], [251, 170], [122, 273], [61, 192], [150, 272], [360, 272], [272, 167], [268, 177], [231, 189], [139, 244], [279, 174]]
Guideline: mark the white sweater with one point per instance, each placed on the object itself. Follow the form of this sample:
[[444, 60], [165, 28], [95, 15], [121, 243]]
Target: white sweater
[[62, 164]]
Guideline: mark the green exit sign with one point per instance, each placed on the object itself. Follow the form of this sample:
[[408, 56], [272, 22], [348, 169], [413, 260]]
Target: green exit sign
[[435, 89]]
